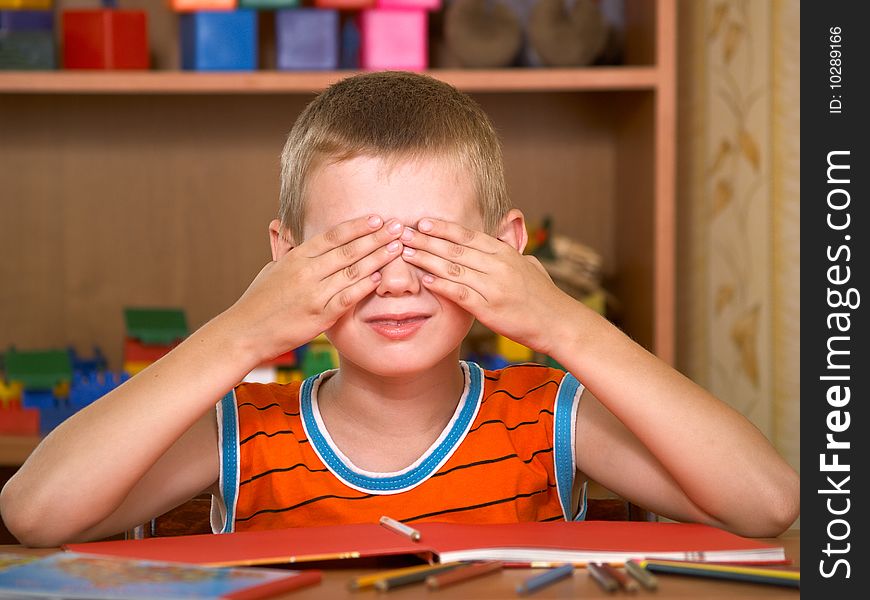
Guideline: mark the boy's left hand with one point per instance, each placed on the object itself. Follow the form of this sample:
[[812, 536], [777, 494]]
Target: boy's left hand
[[509, 292]]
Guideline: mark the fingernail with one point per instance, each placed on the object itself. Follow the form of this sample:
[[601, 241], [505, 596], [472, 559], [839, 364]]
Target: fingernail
[[394, 227], [407, 235], [425, 225], [394, 246], [408, 251], [374, 221], [428, 278], [376, 276]]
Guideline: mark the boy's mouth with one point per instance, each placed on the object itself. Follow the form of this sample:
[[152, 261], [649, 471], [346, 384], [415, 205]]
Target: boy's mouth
[[398, 326]]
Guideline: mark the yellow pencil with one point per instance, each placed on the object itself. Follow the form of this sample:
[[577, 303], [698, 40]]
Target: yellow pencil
[[366, 581]]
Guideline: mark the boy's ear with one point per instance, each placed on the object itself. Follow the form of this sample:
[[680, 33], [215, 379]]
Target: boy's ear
[[279, 239], [512, 230]]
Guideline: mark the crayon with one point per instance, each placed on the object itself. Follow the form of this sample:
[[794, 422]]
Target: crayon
[[533, 584], [602, 577], [400, 528], [463, 573]]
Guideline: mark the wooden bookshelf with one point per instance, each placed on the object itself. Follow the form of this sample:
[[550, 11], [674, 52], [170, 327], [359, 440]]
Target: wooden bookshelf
[[155, 188], [277, 82]]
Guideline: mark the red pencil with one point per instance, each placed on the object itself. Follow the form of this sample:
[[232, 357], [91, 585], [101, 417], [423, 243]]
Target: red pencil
[[462, 574]]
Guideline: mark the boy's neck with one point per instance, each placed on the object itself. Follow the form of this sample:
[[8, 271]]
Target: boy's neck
[[394, 406]]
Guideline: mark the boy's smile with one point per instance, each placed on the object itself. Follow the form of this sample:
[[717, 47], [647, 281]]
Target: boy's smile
[[402, 327]]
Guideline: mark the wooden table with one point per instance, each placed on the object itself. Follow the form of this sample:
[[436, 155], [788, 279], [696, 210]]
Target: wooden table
[[502, 585]]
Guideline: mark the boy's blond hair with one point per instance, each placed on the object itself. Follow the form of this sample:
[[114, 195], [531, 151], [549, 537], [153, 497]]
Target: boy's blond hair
[[395, 116]]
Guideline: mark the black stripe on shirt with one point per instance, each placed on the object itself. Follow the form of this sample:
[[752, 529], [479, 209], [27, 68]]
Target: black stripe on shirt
[[558, 517], [295, 506], [492, 460], [281, 432], [282, 470], [517, 426], [268, 406], [507, 393], [482, 505]]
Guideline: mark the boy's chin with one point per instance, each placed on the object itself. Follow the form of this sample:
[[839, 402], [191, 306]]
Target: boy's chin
[[398, 363]]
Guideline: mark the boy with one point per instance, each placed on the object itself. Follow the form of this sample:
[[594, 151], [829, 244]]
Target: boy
[[394, 233]]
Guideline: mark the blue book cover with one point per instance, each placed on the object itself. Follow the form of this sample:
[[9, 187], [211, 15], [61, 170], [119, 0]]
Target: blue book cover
[[75, 575]]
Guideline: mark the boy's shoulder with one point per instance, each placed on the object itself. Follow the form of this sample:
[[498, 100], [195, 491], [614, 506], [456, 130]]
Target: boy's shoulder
[[263, 396]]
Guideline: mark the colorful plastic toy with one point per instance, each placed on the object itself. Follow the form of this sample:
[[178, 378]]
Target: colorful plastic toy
[[219, 41], [155, 325], [393, 39], [38, 369], [19, 421], [105, 39], [306, 39], [27, 39]]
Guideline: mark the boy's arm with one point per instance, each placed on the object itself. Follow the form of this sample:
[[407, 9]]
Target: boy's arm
[[150, 443], [653, 435]]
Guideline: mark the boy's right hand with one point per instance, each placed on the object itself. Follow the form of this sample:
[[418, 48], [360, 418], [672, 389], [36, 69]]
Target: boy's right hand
[[303, 293]]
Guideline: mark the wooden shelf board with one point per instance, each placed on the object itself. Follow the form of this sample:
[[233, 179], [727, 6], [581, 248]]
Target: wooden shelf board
[[275, 82]]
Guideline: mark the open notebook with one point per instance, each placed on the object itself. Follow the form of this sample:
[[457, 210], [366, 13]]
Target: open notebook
[[576, 542]]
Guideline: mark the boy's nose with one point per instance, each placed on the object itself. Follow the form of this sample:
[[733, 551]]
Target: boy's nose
[[398, 278]]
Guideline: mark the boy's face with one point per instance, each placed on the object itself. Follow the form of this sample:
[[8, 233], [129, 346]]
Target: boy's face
[[401, 328]]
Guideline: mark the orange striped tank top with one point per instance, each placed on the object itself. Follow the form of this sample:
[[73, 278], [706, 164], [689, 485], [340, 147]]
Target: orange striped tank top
[[507, 455]]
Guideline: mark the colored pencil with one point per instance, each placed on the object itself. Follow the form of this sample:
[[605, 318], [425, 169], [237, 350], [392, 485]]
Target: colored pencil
[[602, 577], [732, 572], [367, 581], [533, 584], [463, 573], [643, 577], [388, 583], [400, 528], [624, 581]]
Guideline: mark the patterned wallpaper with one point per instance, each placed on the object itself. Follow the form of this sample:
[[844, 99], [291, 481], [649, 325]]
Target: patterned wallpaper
[[739, 204]]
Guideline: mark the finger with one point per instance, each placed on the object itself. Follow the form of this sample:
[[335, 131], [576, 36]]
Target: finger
[[362, 268], [459, 293], [341, 234], [347, 297], [459, 234], [445, 269], [345, 255], [449, 250]]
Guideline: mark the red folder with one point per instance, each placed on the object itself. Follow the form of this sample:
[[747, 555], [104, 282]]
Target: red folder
[[577, 542]]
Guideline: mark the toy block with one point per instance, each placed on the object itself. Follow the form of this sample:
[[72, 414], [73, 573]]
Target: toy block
[[306, 39], [38, 370], [105, 39], [136, 351], [86, 366], [268, 4], [135, 367], [424, 4], [50, 418], [41, 399], [27, 39], [26, 4], [19, 421], [155, 325], [512, 351], [10, 394], [344, 4], [282, 361], [219, 41], [87, 389], [289, 376], [192, 5], [393, 39]]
